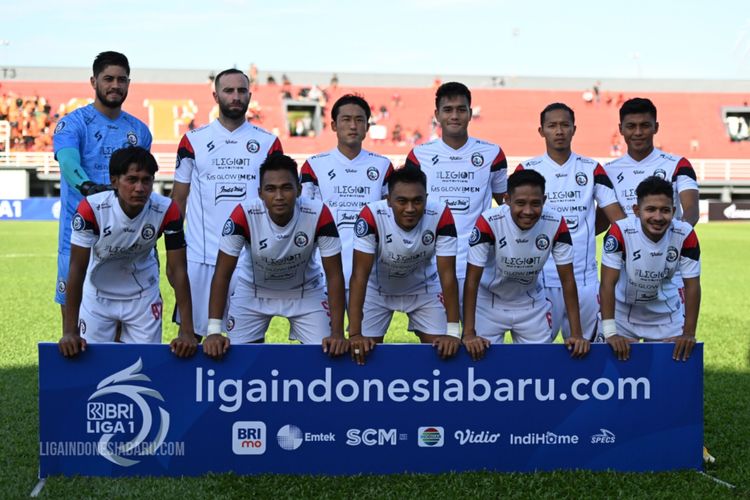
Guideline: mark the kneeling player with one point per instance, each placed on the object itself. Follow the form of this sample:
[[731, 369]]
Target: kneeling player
[[514, 241], [641, 254], [401, 236], [279, 276], [114, 234]]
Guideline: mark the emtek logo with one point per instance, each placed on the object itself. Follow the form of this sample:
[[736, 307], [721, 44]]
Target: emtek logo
[[291, 437], [371, 437], [430, 437], [249, 438]]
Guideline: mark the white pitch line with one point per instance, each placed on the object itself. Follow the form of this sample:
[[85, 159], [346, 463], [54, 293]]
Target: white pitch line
[[38, 488], [26, 255], [717, 480]]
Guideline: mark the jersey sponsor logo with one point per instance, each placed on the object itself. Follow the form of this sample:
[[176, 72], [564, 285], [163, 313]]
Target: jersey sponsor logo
[[542, 242], [300, 239], [610, 244], [98, 135], [230, 192], [581, 179], [572, 222], [229, 141], [229, 163], [435, 159], [356, 190], [620, 177], [148, 232], [373, 174], [81, 326], [263, 244], [474, 238], [457, 204], [346, 218], [451, 175], [430, 437], [252, 146], [672, 254], [78, 223], [563, 195], [331, 174], [210, 146], [132, 138], [560, 176], [660, 173], [428, 237], [156, 310], [636, 255], [477, 159], [59, 127], [360, 227], [228, 228]]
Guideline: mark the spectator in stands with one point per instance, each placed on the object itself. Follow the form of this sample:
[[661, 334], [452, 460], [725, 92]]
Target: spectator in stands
[[334, 82]]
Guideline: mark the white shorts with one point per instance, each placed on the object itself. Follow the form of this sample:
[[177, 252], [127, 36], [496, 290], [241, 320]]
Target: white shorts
[[426, 313], [140, 318], [527, 326], [648, 331], [588, 306], [200, 276], [249, 316]]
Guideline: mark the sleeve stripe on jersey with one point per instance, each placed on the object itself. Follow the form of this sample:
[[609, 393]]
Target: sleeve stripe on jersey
[[563, 234], [690, 247], [412, 160], [276, 147], [388, 173], [518, 168], [684, 168], [185, 149], [446, 225], [326, 225], [485, 233], [84, 208], [307, 174], [499, 163], [601, 177]]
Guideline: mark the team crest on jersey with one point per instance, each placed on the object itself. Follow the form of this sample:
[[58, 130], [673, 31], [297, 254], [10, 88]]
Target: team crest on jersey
[[61, 286], [177, 163], [81, 327], [132, 139], [581, 179], [252, 146], [477, 159], [428, 237], [610, 244], [360, 227], [474, 238], [78, 222], [230, 323], [542, 242], [59, 127], [572, 222], [660, 173], [672, 254], [148, 232], [228, 228], [373, 174], [300, 239]]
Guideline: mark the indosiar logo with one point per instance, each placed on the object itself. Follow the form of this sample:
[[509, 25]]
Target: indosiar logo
[[120, 411], [430, 437]]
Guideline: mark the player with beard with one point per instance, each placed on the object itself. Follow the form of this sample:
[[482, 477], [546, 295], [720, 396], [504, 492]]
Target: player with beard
[[84, 140], [217, 168]]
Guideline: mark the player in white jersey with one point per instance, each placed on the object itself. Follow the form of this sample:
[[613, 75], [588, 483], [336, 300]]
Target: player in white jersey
[[217, 167], [280, 232], [641, 254], [574, 186], [463, 172], [347, 177], [114, 235], [513, 241], [638, 126], [405, 260]]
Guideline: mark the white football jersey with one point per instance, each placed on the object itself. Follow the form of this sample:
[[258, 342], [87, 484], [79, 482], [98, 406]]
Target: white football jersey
[[279, 261], [405, 260], [645, 292], [345, 186], [513, 258], [123, 264], [571, 190], [222, 170], [626, 174], [464, 179]]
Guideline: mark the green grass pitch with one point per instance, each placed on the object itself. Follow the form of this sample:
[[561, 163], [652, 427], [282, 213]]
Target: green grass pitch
[[29, 315]]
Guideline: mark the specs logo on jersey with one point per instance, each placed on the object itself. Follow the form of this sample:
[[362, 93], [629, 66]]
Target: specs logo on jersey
[[132, 139], [228, 228], [252, 146], [672, 254], [542, 242], [474, 238], [78, 223], [148, 232], [210, 146], [389, 238], [263, 244], [98, 135], [300, 239], [435, 159], [81, 327], [581, 179], [331, 174], [477, 159], [372, 173], [59, 127], [660, 173], [428, 237], [501, 243], [636, 255], [620, 177], [610, 244], [360, 227]]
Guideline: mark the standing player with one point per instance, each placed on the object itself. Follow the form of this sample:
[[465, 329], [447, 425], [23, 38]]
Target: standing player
[[402, 237], [575, 185], [463, 172], [280, 232], [84, 140], [347, 177], [641, 254], [638, 126], [217, 167], [514, 241], [114, 234]]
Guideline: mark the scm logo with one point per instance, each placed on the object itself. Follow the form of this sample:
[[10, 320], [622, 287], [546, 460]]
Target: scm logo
[[249, 438], [371, 437]]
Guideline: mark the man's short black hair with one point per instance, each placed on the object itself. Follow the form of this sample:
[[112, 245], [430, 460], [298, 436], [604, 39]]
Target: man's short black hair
[[553, 107], [110, 58], [525, 178], [121, 160], [230, 71], [654, 185], [350, 99], [452, 89], [409, 174], [637, 105], [279, 161]]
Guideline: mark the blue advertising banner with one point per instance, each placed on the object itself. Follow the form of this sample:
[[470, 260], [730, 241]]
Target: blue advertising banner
[[30, 209], [126, 410]]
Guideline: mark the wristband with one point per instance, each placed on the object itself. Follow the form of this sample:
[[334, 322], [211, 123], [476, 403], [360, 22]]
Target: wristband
[[453, 330], [214, 326], [609, 328]]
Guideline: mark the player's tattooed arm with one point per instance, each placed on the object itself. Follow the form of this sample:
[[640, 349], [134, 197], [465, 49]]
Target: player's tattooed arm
[[360, 346], [474, 344], [71, 342], [336, 344]]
